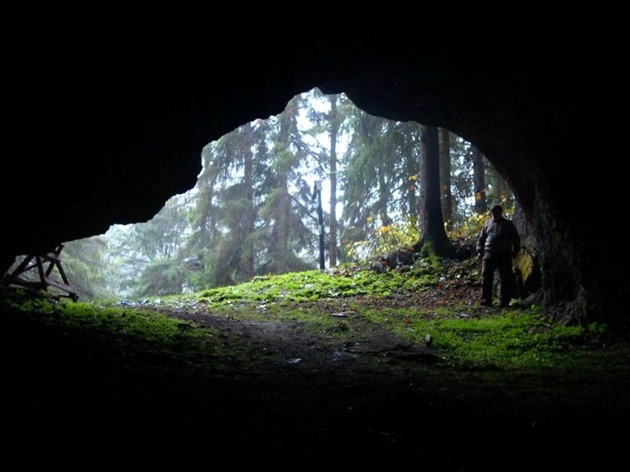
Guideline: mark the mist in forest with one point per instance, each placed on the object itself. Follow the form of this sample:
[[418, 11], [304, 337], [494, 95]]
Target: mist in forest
[[253, 212]]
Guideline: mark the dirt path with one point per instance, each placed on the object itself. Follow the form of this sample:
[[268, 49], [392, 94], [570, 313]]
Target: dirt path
[[367, 398], [284, 398]]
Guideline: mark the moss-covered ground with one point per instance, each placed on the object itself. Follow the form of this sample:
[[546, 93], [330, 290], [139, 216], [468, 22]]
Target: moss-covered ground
[[334, 370]]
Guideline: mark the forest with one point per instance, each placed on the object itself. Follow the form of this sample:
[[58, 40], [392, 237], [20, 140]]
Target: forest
[[253, 210]]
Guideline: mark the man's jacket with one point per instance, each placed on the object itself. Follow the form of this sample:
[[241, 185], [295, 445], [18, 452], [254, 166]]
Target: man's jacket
[[499, 238]]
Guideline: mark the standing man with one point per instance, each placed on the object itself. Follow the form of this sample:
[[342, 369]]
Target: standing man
[[497, 244]]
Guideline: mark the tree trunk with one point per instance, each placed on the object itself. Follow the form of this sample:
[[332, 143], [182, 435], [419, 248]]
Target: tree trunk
[[445, 178], [334, 130], [247, 262], [431, 220], [479, 182]]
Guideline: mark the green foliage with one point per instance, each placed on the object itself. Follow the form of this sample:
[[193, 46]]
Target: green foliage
[[112, 331], [383, 239], [429, 255], [161, 277], [508, 340], [23, 300], [145, 324], [463, 337], [470, 229], [596, 329], [251, 210], [85, 266], [310, 285]]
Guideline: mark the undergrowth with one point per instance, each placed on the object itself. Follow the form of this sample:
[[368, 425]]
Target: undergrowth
[[514, 338], [522, 338]]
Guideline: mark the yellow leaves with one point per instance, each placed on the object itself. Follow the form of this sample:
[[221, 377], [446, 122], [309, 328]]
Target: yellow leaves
[[413, 178], [385, 238]]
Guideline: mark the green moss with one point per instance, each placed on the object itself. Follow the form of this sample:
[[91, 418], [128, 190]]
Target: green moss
[[508, 339]]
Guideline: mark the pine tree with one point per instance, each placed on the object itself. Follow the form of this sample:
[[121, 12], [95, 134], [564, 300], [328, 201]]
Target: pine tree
[[434, 237]]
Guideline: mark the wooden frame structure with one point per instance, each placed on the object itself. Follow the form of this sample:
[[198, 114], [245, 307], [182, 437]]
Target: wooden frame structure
[[43, 279]]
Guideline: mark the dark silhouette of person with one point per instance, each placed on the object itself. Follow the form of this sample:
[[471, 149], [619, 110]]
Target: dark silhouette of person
[[497, 244]]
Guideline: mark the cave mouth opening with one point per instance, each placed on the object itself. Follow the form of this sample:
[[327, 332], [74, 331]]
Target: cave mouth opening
[[156, 251]]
